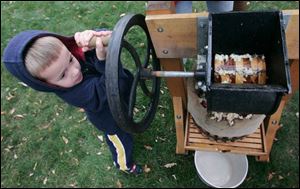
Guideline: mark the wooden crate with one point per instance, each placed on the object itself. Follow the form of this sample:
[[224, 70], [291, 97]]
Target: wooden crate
[[253, 144]]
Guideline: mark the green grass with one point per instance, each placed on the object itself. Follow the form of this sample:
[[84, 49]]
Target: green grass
[[34, 152]]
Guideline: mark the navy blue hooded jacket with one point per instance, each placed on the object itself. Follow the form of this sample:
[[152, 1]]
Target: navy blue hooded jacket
[[89, 94]]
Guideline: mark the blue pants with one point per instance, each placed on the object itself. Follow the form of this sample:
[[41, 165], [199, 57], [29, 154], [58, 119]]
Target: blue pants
[[120, 142], [121, 146]]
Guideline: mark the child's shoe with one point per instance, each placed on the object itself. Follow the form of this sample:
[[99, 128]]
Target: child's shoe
[[135, 170]]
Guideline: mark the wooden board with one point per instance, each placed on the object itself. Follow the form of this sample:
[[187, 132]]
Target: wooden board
[[175, 35], [253, 144]]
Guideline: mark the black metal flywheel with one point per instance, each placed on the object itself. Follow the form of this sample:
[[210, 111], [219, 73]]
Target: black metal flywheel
[[123, 98]]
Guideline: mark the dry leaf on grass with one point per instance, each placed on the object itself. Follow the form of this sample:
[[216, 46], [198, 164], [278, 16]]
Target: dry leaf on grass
[[65, 140], [169, 165], [146, 169], [45, 181], [23, 84], [119, 184], [100, 137], [83, 119], [270, 176], [148, 147], [18, 116], [174, 176]]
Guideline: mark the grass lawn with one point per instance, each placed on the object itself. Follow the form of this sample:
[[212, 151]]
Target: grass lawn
[[47, 143]]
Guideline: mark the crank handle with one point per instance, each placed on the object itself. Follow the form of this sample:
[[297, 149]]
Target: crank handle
[[105, 41]]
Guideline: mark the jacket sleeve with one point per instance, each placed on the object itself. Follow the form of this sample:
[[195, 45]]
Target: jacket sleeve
[[90, 94]]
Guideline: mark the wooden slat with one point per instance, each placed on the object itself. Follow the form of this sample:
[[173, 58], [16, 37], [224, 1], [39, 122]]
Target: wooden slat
[[237, 144], [254, 152], [179, 124], [253, 144]]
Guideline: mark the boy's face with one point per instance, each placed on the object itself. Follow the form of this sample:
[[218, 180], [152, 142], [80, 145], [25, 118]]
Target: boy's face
[[63, 72]]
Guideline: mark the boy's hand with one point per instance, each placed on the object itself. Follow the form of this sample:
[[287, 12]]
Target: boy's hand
[[83, 39]]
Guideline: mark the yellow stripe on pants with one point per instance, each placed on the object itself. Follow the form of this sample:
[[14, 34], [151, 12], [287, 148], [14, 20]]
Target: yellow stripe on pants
[[121, 157]]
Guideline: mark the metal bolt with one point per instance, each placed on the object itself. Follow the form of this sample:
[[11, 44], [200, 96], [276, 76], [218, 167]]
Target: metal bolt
[[199, 83], [178, 116], [274, 122], [160, 29], [200, 67], [165, 51]]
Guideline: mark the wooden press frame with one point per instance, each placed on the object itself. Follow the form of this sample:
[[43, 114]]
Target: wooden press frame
[[174, 36]]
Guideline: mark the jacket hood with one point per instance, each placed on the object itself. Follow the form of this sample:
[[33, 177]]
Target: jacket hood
[[16, 49]]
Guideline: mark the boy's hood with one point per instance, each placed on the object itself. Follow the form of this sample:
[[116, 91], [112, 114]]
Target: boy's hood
[[13, 57]]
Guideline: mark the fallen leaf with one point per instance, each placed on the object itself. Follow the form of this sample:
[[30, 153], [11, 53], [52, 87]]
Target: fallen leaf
[[142, 45], [45, 181], [18, 116], [146, 169], [148, 147], [65, 140], [23, 84], [280, 177], [135, 110], [297, 114], [174, 176], [45, 126], [12, 111], [81, 110], [73, 185], [160, 138], [35, 166], [169, 165], [83, 119], [30, 174], [119, 184], [76, 161], [121, 15], [270, 176], [10, 96], [100, 137], [3, 112], [15, 156]]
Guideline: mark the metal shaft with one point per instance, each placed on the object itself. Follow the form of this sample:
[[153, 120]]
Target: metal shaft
[[172, 74]]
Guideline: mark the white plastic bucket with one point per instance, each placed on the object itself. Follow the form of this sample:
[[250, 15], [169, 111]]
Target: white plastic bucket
[[221, 170]]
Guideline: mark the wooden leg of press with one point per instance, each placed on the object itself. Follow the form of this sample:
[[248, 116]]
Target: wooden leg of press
[[179, 124], [272, 127]]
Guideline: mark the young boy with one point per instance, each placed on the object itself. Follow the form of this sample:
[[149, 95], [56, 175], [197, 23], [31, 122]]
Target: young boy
[[75, 71]]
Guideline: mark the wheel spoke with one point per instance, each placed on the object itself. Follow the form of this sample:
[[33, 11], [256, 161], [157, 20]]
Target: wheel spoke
[[132, 96]]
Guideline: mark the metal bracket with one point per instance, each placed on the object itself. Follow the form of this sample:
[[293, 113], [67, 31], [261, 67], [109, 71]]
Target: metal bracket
[[202, 49]]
